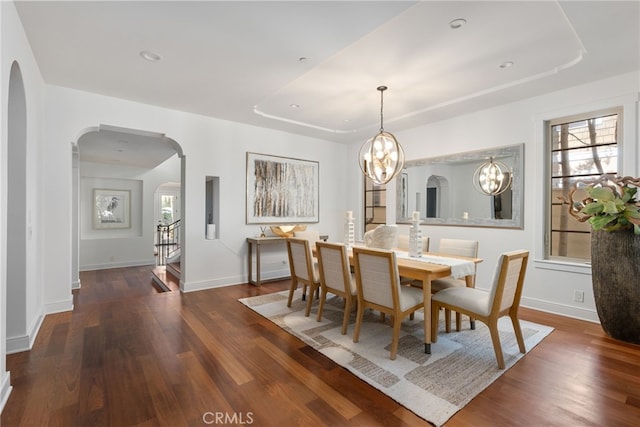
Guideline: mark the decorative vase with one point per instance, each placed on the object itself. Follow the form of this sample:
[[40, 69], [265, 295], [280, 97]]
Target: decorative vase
[[615, 274], [415, 239], [349, 230]]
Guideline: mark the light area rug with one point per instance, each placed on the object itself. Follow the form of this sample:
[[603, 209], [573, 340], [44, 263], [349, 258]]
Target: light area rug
[[435, 386]]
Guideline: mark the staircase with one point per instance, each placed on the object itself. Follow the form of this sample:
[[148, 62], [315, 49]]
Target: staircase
[[166, 278], [166, 274]]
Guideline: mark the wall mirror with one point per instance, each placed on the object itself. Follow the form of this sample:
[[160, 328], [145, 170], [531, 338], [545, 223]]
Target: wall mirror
[[441, 189]]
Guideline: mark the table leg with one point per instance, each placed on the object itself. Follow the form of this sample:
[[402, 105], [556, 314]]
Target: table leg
[[470, 284], [250, 263], [426, 295], [258, 265]]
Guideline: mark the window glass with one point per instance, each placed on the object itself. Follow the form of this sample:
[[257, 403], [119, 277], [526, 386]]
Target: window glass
[[580, 149]]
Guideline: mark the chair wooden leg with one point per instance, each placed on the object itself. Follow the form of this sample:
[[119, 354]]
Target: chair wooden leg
[[412, 316], [323, 298], [397, 321], [495, 338], [447, 320], [518, 331], [458, 322], [312, 291], [345, 316], [359, 315], [294, 286], [304, 292]]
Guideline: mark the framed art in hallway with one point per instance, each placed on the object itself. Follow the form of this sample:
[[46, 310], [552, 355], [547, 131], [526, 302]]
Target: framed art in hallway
[[111, 209], [281, 190]]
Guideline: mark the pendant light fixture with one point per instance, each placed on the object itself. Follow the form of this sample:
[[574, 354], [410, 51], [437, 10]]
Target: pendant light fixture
[[381, 157], [492, 178]]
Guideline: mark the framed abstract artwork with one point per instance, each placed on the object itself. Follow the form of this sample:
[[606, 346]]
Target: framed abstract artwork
[[111, 208], [281, 190]]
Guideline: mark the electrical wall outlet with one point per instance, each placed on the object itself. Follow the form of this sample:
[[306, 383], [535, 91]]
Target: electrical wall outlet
[[578, 296]]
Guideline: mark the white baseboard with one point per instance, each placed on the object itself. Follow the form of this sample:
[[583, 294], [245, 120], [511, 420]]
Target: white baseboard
[[5, 389], [25, 343], [210, 284], [104, 266], [59, 306], [76, 284], [229, 281], [588, 314]]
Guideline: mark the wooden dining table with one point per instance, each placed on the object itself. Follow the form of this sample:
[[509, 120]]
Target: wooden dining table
[[426, 272]]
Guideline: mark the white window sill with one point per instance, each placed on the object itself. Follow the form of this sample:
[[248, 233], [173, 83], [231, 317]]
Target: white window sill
[[566, 266]]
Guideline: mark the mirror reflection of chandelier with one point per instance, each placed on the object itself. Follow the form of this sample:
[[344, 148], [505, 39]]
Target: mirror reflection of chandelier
[[381, 158], [492, 178]]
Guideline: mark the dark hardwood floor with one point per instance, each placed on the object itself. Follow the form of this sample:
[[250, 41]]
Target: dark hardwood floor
[[128, 355]]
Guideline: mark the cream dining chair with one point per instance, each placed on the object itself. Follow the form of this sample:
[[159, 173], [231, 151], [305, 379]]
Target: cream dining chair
[[503, 299], [379, 288], [382, 237], [403, 243], [335, 277], [460, 247], [311, 235], [303, 270]]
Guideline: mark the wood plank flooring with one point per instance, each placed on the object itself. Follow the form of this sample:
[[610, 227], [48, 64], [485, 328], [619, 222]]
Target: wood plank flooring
[[128, 355]]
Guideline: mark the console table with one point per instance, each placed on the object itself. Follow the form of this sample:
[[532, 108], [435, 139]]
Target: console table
[[257, 242]]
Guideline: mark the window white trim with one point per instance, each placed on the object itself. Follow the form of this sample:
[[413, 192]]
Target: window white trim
[[628, 159]]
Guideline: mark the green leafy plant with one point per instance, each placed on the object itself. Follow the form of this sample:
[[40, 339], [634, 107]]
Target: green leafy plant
[[610, 203]]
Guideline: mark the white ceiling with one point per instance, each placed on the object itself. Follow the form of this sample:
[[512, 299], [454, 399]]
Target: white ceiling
[[240, 60]]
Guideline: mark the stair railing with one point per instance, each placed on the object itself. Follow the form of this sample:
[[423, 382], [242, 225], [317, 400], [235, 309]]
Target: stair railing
[[167, 241]]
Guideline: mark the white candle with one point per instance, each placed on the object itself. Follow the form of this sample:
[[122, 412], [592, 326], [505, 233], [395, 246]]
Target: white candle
[[416, 215], [350, 214]]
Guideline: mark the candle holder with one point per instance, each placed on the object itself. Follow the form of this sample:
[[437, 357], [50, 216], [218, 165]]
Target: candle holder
[[415, 239], [349, 231]]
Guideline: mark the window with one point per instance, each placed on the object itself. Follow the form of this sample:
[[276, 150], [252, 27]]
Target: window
[[580, 148], [375, 205]]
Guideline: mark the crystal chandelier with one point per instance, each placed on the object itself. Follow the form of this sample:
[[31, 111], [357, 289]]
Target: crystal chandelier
[[492, 178], [381, 157]]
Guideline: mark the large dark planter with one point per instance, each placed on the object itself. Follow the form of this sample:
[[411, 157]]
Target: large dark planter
[[615, 273]]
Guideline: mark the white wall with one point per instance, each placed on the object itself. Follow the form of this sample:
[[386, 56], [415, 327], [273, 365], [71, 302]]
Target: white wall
[[211, 148], [549, 286], [57, 117], [15, 47]]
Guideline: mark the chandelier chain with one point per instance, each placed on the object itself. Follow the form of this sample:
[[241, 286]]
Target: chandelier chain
[[381, 109], [381, 89]]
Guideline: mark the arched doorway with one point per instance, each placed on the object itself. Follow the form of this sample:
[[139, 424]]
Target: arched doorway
[[129, 163], [17, 231]]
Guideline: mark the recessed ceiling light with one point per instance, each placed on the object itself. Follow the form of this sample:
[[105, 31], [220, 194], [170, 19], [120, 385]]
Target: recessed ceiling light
[[294, 106], [150, 56], [302, 59], [506, 64], [457, 23]]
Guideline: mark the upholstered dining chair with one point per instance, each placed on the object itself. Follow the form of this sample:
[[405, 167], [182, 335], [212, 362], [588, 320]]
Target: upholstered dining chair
[[335, 277], [382, 237], [460, 247], [378, 285], [503, 299], [403, 243], [311, 235], [303, 270]]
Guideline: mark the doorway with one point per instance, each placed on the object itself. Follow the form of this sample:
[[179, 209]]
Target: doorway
[[134, 163]]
